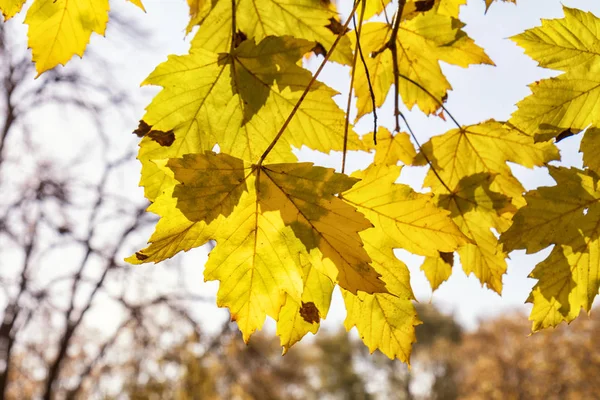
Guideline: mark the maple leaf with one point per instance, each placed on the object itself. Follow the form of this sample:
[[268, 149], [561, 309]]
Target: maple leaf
[[483, 148], [568, 101], [566, 215], [302, 19], [422, 42], [268, 221], [402, 219], [59, 29], [406, 219], [239, 101]]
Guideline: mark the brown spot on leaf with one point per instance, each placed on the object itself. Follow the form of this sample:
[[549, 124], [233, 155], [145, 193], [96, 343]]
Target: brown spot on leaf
[[140, 256], [444, 97], [309, 312], [424, 5], [447, 257], [565, 134], [336, 27], [165, 139], [142, 129], [319, 50], [161, 137], [239, 38]]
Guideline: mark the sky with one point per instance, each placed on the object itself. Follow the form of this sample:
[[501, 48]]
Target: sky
[[480, 93]]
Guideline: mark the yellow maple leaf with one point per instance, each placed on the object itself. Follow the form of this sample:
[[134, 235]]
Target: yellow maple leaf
[[273, 217], [313, 20], [569, 101], [239, 101], [422, 42], [438, 269], [405, 219], [566, 215], [483, 148], [10, 8], [60, 29]]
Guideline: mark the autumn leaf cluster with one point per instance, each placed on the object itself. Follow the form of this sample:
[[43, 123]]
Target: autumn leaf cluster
[[218, 164]]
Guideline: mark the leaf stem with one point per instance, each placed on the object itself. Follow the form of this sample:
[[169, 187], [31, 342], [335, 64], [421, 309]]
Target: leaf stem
[[364, 63], [307, 89], [349, 104], [233, 27], [394, 49]]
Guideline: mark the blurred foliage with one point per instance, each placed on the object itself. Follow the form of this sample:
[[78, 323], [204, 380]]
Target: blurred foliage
[[500, 360]]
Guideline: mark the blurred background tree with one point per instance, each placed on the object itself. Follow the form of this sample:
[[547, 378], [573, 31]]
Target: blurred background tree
[[70, 304]]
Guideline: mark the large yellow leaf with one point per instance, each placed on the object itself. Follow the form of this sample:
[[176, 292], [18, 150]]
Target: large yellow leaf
[[239, 101], [59, 29], [313, 20], [384, 321], [404, 218], [568, 216], [422, 42], [302, 196], [10, 8], [483, 148], [569, 101]]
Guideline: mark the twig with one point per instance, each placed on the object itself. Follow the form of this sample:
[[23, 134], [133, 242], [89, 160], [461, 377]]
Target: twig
[[349, 103], [394, 48], [364, 63], [307, 89]]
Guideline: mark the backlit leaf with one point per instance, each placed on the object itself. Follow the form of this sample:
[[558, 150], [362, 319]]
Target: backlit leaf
[[422, 43], [568, 101], [60, 29], [302, 19], [239, 101], [567, 216], [405, 219]]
